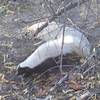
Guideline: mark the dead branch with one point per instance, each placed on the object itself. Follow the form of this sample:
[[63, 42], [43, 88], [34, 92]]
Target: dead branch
[[83, 96], [61, 60], [91, 68], [58, 13], [59, 82], [88, 59]]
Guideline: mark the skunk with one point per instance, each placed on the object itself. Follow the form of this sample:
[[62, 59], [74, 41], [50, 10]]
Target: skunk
[[48, 33], [44, 56]]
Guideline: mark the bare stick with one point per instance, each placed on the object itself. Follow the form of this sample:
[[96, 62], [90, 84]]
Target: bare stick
[[59, 82], [90, 68], [88, 59], [58, 13], [61, 60], [83, 96]]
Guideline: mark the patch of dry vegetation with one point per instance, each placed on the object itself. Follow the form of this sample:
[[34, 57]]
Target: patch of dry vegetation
[[80, 82]]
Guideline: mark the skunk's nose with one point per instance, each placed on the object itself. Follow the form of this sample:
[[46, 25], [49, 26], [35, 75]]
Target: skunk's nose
[[19, 71], [24, 71]]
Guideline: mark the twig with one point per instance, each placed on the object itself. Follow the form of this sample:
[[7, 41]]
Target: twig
[[83, 96], [38, 43], [36, 20], [90, 68], [49, 7], [61, 60], [78, 28], [86, 60], [62, 79], [68, 7], [89, 93], [59, 82]]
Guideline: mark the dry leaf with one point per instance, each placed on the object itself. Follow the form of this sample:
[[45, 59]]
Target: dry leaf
[[75, 86]]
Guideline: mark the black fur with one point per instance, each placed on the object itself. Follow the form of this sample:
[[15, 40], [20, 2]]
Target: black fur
[[26, 71]]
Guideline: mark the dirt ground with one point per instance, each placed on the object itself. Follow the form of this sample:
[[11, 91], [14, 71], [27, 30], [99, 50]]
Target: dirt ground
[[15, 46]]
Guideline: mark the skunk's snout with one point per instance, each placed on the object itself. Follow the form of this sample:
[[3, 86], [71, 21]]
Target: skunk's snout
[[19, 71], [24, 71]]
